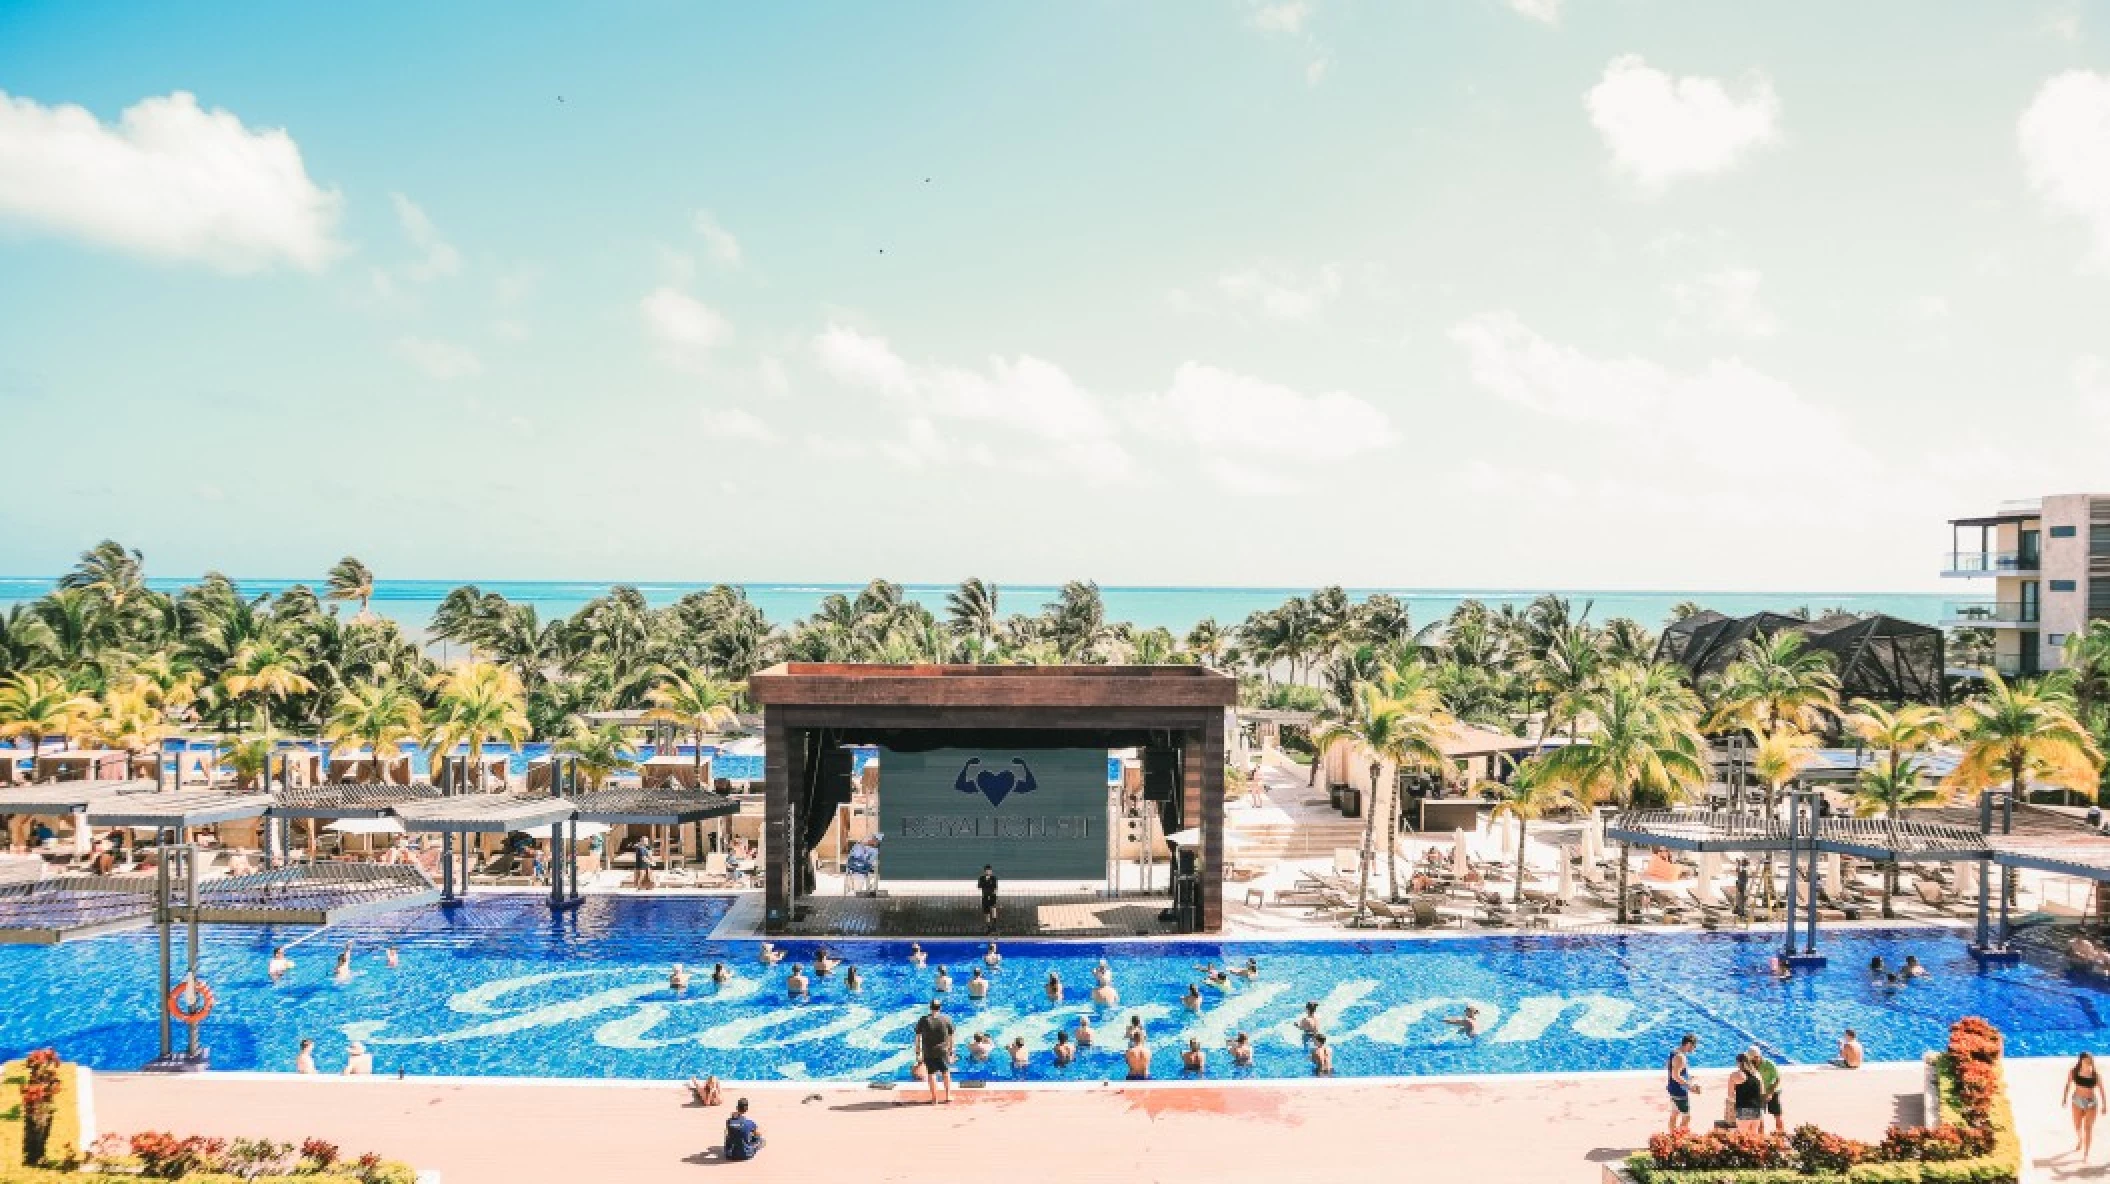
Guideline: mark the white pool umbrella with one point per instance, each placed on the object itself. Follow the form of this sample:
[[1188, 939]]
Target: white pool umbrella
[[587, 830], [83, 837], [1710, 867], [1566, 890], [1461, 858]]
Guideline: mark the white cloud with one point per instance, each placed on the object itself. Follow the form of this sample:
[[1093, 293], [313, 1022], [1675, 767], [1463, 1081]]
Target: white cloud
[[861, 359], [731, 423], [508, 330], [440, 359], [685, 328], [438, 258], [1315, 70], [1929, 307], [1505, 357], [1547, 12], [723, 246], [775, 381], [2091, 383], [1724, 302], [1280, 295], [1222, 422], [1287, 16], [169, 180], [2065, 141], [1246, 419], [1661, 128]]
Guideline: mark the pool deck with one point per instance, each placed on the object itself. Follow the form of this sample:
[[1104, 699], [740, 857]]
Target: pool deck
[[1524, 1129]]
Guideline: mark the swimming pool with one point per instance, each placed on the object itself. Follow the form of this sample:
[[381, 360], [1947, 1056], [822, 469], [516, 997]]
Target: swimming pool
[[500, 988]]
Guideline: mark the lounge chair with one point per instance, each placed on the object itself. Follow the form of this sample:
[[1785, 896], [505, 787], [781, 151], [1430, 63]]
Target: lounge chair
[[714, 870], [1425, 914], [1934, 896]]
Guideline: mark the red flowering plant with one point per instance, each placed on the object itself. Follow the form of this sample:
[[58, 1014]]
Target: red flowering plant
[[1821, 1151], [40, 1104], [318, 1154], [1719, 1150]]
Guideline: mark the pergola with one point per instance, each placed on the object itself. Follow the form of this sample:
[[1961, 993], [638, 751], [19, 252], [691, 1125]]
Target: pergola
[[67, 908], [2045, 841], [810, 711], [486, 813]]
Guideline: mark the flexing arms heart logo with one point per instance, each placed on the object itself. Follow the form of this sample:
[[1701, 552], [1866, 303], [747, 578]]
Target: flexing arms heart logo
[[995, 784]]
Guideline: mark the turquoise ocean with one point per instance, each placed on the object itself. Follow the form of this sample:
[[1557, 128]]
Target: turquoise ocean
[[410, 602]]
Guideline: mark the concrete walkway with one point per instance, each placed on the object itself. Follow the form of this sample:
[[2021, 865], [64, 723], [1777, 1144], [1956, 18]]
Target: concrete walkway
[[1535, 1130]]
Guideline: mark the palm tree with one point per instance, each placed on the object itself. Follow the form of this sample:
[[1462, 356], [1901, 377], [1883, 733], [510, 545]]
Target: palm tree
[[127, 718], [1389, 732], [2088, 659], [1647, 748], [40, 705], [1530, 796], [970, 609], [2013, 733], [379, 716], [1776, 682], [601, 752], [700, 703], [349, 579], [1887, 789], [266, 671], [477, 702], [248, 758]]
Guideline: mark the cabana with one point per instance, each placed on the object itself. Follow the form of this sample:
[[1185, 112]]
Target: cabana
[[671, 769], [670, 808], [83, 764], [455, 818], [59, 799], [334, 802]]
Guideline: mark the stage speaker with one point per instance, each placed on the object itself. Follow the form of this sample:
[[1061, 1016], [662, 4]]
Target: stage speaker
[[1161, 774], [1132, 830]]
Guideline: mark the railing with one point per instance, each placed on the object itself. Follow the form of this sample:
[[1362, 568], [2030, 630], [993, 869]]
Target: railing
[[1988, 613], [1991, 563]]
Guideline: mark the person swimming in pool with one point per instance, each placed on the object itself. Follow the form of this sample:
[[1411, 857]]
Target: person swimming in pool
[[1321, 1057], [770, 954], [942, 983], [1248, 972], [853, 982], [1054, 987], [977, 986], [1467, 1021], [1308, 1023], [304, 1060], [1103, 974], [1912, 968], [825, 962], [1241, 1047], [343, 971], [991, 958], [678, 978], [1019, 1055], [281, 966], [1105, 995], [1876, 969], [1192, 1000], [1085, 1035], [797, 985], [720, 975], [916, 956], [1065, 1052], [1220, 979], [979, 1048], [1193, 1059]]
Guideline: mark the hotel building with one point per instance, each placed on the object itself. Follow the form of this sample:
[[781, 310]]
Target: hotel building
[[2047, 561]]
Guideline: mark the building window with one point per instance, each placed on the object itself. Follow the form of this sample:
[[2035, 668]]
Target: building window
[[2062, 585], [2056, 641], [2063, 532]]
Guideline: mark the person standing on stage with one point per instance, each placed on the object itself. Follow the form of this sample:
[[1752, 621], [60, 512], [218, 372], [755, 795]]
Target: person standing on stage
[[987, 883]]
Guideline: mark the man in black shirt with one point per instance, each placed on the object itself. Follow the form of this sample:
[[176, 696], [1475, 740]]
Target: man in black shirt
[[987, 883], [934, 1049]]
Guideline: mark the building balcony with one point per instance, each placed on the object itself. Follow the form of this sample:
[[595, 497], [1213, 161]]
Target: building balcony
[[1991, 563], [1989, 614], [2005, 665]]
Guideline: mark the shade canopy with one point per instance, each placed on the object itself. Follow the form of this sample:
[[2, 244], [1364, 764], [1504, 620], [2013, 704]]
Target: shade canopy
[[483, 813], [366, 826]]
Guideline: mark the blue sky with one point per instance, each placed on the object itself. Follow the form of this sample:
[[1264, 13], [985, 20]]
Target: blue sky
[[1489, 292]]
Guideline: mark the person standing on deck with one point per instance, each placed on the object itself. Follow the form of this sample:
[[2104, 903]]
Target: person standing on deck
[[987, 883]]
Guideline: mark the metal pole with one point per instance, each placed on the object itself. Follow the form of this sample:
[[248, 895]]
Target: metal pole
[[1985, 826], [1794, 828], [1811, 804], [2007, 874], [571, 848], [161, 914], [190, 901]]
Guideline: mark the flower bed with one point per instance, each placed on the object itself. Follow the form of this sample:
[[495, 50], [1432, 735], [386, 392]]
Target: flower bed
[[1972, 1140], [156, 1155]]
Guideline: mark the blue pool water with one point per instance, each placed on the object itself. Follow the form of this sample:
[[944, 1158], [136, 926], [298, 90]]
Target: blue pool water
[[499, 987]]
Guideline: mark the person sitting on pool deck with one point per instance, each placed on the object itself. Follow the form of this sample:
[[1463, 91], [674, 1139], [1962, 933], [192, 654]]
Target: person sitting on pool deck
[[679, 978], [1054, 987], [796, 985], [1192, 1000], [281, 966], [1194, 1060], [977, 986], [1065, 1052], [1467, 1021], [943, 982], [706, 1092], [916, 955], [1242, 1051], [743, 1139], [1850, 1053], [934, 1049], [1137, 1056], [991, 958], [1912, 967], [1678, 1083], [1321, 1057]]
